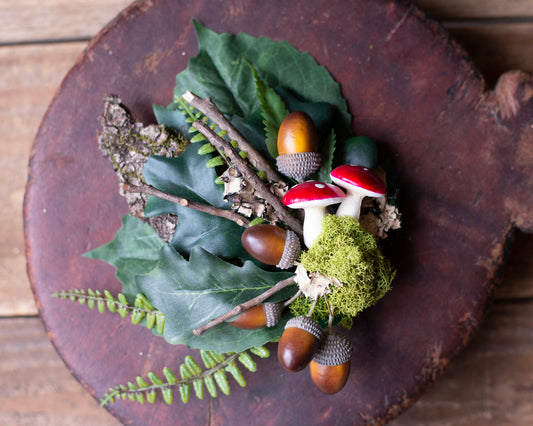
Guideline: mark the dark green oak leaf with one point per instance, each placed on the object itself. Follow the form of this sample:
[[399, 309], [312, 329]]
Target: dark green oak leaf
[[192, 292], [134, 251], [187, 176], [220, 71]]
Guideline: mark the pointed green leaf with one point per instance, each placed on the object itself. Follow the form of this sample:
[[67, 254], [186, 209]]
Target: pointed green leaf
[[167, 395], [221, 72], [180, 176], [190, 293], [327, 152], [134, 251], [222, 381], [210, 385], [169, 375], [198, 386], [236, 374], [273, 110]]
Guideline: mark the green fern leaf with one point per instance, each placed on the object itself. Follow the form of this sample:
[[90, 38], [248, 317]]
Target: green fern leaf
[[273, 111]]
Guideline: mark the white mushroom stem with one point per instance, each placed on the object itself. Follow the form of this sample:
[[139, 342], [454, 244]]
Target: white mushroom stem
[[312, 226], [351, 205]]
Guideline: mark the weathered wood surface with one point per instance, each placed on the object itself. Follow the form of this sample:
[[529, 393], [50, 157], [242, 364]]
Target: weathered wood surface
[[30, 77], [477, 9], [31, 21], [507, 41]]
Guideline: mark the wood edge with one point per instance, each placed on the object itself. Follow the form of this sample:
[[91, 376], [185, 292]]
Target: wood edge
[[503, 101], [497, 101], [139, 6], [510, 105]]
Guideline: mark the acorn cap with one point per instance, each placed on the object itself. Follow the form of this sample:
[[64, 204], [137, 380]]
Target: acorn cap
[[298, 165], [305, 323], [272, 313], [291, 251], [335, 349]]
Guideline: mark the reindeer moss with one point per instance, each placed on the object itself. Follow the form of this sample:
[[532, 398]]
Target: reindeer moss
[[346, 251]]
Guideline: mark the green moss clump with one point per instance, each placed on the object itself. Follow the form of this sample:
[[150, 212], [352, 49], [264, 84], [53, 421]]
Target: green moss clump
[[346, 251]]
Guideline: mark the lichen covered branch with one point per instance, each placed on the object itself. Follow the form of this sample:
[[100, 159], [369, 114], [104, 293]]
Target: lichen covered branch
[[250, 175], [209, 109], [143, 188]]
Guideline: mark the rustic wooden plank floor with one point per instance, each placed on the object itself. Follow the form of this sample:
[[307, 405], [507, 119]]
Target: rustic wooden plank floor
[[490, 383]]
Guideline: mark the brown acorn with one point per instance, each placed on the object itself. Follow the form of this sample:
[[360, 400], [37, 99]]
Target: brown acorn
[[258, 316], [271, 245], [298, 154], [330, 366], [298, 343]]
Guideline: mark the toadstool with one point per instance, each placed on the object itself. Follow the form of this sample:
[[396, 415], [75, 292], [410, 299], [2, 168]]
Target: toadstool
[[313, 196], [359, 182]]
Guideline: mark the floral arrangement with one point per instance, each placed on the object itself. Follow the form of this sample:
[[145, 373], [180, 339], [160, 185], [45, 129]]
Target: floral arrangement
[[255, 217]]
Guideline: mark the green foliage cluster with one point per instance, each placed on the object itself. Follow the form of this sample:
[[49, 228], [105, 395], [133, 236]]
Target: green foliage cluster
[[204, 272], [212, 377], [346, 251], [141, 309]]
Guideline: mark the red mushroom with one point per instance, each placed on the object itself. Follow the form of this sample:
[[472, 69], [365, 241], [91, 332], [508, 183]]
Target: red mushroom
[[359, 182], [313, 196]]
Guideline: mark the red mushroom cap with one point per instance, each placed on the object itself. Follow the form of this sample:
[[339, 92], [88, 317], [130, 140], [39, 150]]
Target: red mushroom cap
[[313, 193], [360, 177]]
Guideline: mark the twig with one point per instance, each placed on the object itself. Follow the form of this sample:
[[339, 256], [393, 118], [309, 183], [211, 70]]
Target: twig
[[209, 109], [205, 208], [244, 306], [250, 175], [292, 299]]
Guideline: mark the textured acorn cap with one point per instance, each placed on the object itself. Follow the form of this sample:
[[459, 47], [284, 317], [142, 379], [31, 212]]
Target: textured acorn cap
[[335, 349], [306, 323], [298, 165], [272, 313], [291, 251]]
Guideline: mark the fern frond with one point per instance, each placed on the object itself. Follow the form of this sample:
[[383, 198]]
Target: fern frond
[[206, 148], [141, 308], [213, 378]]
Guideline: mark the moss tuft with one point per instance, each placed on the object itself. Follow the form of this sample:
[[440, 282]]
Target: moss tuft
[[346, 251]]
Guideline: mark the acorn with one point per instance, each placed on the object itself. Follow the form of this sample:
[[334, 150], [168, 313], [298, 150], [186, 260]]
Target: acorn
[[298, 155], [258, 316], [272, 245], [298, 343], [330, 366]]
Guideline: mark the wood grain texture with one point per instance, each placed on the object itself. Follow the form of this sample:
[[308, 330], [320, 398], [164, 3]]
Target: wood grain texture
[[37, 20], [490, 382], [30, 77], [40, 390], [455, 243], [496, 48], [476, 9], [444, 404]]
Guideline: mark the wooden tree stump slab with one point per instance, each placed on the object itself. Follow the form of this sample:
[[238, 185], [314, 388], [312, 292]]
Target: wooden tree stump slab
[[464, 158]]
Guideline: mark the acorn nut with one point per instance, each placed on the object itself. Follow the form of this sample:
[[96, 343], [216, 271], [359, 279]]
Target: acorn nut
[[330, 366], [298, 343], [298, 155], [272, 245], [258, 316]]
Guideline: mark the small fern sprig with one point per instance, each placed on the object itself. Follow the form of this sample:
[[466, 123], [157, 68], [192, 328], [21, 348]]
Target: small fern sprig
[[141, 308], [207, 148], [191, 373]]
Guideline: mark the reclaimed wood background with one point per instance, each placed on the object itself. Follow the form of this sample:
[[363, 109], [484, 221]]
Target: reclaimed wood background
[[490, 383]]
